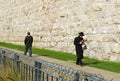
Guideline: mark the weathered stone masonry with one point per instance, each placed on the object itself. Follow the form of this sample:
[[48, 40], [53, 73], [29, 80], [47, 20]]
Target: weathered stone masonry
[[55, 23]]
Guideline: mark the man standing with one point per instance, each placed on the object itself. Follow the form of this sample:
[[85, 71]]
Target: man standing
[[78, 42], [28, 44]]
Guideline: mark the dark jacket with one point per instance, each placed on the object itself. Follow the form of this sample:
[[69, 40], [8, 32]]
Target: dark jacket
[[78, 47], [28, 40]]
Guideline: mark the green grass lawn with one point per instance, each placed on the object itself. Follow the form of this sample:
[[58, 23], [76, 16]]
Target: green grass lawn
[[110, 66]]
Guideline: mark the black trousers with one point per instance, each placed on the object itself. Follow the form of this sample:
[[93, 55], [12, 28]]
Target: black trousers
[[79, 61], [30, 50]]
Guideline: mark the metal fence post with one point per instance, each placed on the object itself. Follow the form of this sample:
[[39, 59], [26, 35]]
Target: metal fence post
[[37, 71], [16, 63], [76, 76], [3, 58], [35, 79]]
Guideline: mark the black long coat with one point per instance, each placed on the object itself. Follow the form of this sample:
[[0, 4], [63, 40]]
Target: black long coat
[[28, 40], [78, 47]]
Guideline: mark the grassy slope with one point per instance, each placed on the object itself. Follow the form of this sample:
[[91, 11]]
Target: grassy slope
[[110, 66]]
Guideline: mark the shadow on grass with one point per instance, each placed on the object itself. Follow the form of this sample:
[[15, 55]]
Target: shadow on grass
[[88, 63], [44, 55]]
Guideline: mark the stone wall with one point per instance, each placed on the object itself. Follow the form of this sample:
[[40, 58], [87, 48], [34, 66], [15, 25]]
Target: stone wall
[[55, 23]]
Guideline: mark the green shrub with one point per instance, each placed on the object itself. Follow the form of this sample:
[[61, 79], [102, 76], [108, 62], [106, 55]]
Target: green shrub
[[8, 74]]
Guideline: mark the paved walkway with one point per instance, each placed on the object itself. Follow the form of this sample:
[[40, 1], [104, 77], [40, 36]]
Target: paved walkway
[[110, 76]]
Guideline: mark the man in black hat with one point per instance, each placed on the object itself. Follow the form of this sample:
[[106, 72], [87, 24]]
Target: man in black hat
[[78, 42], [28, 44]]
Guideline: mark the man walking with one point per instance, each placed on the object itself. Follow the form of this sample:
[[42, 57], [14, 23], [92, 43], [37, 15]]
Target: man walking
[[78, 42], [28, 44]]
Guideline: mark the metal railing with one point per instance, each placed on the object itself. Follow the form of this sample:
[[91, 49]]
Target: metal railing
[[32, 69]]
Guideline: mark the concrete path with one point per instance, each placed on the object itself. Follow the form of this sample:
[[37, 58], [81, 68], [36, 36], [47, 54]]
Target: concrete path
[[110, 76]]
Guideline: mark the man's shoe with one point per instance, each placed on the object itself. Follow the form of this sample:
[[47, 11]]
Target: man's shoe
[[81, 64], [77, 64]]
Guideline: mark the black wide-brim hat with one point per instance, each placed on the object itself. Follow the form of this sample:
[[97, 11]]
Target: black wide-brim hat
[[81, 34]]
